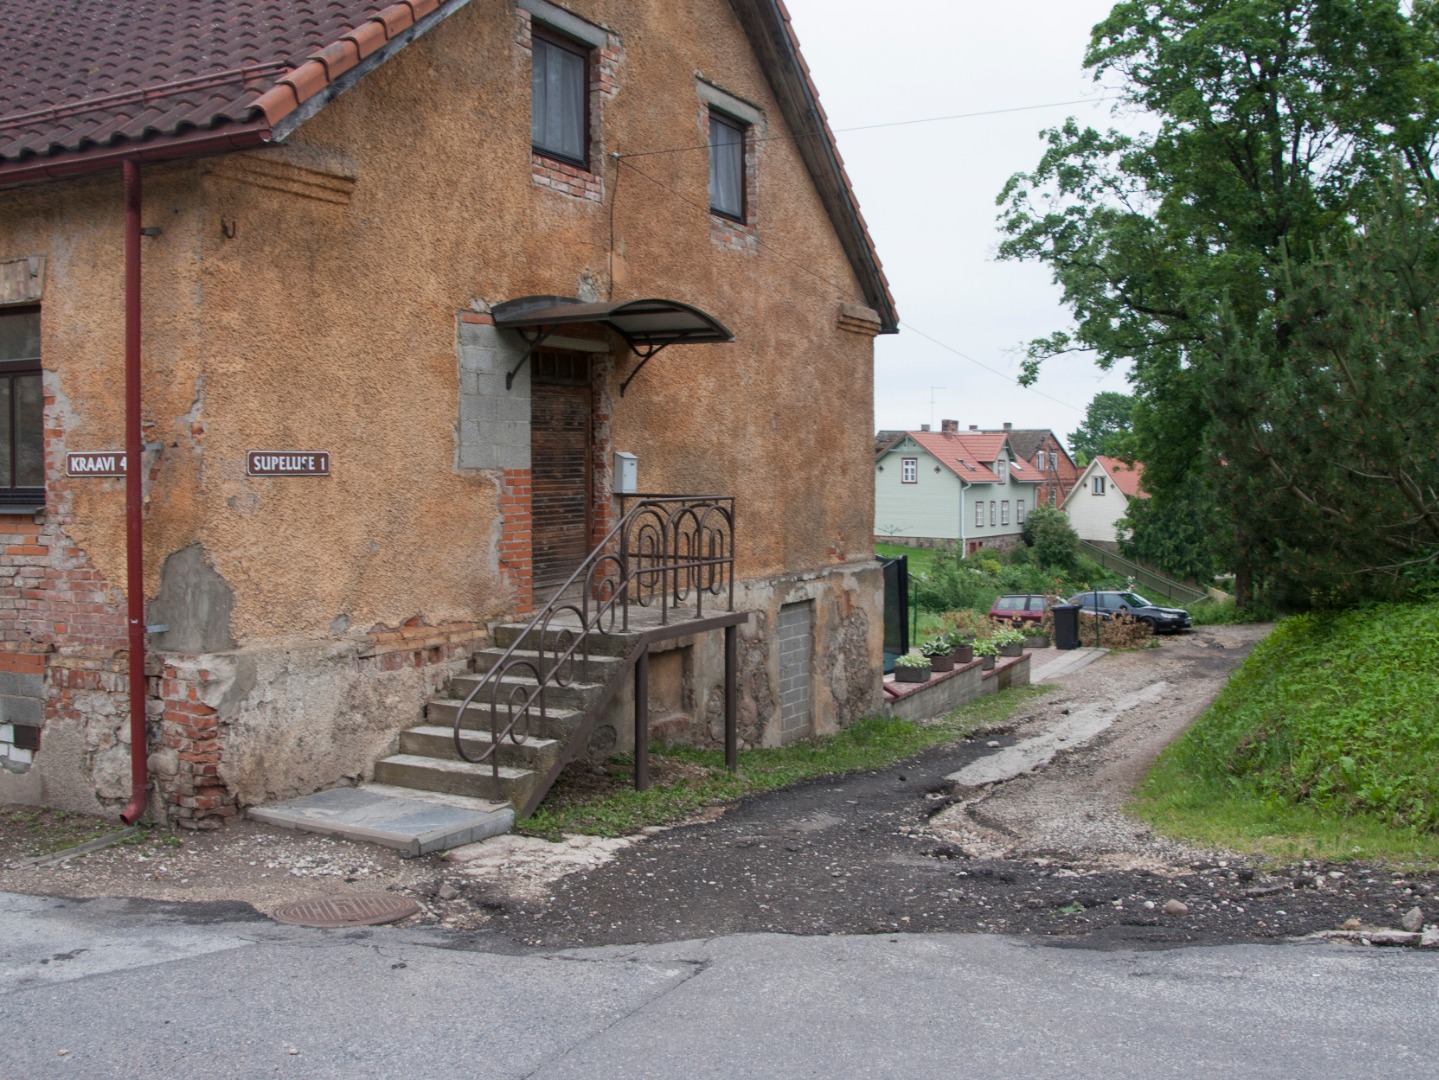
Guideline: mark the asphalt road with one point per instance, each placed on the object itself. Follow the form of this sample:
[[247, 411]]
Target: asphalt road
[[115, 988]]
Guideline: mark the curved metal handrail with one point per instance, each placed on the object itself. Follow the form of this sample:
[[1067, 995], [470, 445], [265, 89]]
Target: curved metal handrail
[[665, 550]]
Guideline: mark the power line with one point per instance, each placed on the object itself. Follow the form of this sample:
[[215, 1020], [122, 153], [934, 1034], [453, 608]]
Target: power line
[[891, 124], [840, 289]]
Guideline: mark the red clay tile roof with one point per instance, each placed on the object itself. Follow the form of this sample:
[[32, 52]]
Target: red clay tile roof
[[84, 83], [970, 455], [1126, 478]]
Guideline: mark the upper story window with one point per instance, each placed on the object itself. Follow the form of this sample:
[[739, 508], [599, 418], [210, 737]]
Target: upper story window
[[979, 514], [1097, 487], [1001, 469], [1039, 461], [22, 409], [560, 89], [727, 139], [909, 470]]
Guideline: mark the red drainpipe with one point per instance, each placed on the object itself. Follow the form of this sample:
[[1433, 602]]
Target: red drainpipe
[[134, 484]]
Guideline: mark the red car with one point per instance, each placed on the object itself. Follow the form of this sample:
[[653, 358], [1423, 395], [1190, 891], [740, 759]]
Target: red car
[[1018, 608]]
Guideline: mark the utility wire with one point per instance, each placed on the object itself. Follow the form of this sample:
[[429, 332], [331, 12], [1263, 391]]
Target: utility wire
[[890, 124], [842, 290]]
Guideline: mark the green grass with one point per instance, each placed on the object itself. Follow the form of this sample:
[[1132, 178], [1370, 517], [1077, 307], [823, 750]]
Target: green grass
[[699, 778], [30, 831], [921, 560], [1325, 744]]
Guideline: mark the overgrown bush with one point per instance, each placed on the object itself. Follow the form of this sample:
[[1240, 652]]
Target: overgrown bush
[[1054, 542], [1119, 632]]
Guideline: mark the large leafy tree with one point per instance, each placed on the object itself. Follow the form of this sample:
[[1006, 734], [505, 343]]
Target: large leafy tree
[[1276, 125], [1105, 429]]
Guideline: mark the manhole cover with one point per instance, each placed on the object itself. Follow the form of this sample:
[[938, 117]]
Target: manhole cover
[[358, 909]]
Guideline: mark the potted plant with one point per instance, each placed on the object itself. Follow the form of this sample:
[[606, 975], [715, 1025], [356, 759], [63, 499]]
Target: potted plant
[[986, 649], [1010, 642], [939, 652], [911, 667], [1039, 635], [961, 646]]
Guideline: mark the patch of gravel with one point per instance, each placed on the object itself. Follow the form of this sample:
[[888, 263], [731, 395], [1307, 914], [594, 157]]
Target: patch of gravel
[[1049, 854]]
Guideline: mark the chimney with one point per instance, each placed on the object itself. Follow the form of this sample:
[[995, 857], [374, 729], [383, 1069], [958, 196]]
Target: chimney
[[973, 427], [1008, 426], [923, 427], [949, 427]]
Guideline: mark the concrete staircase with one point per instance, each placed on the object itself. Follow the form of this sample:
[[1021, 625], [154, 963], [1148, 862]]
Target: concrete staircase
[[427, 760]]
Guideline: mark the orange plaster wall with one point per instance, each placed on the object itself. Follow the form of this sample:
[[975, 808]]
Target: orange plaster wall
[[278, 318]]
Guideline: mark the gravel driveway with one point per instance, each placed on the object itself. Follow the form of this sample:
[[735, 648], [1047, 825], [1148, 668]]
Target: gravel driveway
[[924, 846]]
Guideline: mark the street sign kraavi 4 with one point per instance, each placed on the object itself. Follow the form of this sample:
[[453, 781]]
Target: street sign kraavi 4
[[95, 463], [287, 463]]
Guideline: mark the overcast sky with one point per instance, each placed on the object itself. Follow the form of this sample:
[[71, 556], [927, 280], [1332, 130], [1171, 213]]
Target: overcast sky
[[928, 190]]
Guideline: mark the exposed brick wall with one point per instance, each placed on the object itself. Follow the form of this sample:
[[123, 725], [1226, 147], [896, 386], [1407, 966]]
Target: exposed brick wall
[[515, 537], [195, 797]]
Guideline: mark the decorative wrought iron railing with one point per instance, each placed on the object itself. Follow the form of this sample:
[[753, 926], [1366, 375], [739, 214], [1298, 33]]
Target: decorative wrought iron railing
[[668, 554]]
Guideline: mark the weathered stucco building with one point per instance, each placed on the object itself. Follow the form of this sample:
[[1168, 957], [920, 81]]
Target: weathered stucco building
[[341, 433]]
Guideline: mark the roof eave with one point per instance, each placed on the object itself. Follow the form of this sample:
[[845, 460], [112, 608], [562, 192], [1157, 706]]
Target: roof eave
[[167, 148], [767, 25]]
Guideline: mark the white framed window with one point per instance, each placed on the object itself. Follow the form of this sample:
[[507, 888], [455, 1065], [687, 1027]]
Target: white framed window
[[909, 470], [993, 514], [1004, 512], [1019, 512], [1001, 469], [1039, 461], [979, 513], [1097, 485]]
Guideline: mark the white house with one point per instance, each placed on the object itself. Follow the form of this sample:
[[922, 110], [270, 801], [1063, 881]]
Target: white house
[[952, 487], [1101, 497]]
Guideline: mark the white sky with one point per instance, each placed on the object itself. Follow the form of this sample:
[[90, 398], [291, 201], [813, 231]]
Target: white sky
[[928, 190]]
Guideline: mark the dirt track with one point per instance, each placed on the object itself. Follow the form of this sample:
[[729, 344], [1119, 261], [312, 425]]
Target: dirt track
[[910, 848]]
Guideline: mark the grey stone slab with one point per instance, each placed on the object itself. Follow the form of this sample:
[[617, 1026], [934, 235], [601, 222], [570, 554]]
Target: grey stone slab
[[16, 684], [412, 822], [22, 710]]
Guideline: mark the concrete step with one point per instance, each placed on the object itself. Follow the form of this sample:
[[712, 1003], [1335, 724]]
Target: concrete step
[[457, 777], [596, 669], [573, 696], [439, 742], [413, 822], [505, 634], [441, 713]]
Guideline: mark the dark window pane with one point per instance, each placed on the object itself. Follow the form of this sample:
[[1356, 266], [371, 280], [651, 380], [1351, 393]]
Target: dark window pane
[[20, 335], [7, 478], [29, 419], [558, 79], [726, 166]]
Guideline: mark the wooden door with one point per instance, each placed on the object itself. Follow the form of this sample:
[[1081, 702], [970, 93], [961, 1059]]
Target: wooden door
[[560, 468]]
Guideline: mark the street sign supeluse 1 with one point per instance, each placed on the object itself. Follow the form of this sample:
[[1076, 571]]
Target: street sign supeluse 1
[[95, 463], [287, 463]]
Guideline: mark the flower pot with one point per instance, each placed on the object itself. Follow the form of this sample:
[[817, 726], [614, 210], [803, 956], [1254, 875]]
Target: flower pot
[[1037, 641], [964, 654], [942, 663], [1017, 649], [988, 663], [911, 674]]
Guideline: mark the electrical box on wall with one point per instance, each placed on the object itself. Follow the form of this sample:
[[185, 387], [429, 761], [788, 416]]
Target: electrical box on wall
[[627, 473]]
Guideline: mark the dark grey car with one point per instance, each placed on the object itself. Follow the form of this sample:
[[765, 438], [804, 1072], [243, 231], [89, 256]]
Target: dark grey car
[[1110, 604]]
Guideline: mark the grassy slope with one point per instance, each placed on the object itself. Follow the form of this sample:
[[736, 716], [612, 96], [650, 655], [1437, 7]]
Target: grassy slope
[[1325, 744]]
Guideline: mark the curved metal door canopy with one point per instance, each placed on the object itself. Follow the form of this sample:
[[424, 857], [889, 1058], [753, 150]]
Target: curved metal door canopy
[[647, 326]]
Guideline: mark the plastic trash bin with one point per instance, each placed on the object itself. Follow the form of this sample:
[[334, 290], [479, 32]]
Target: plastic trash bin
[[1066, 626]]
